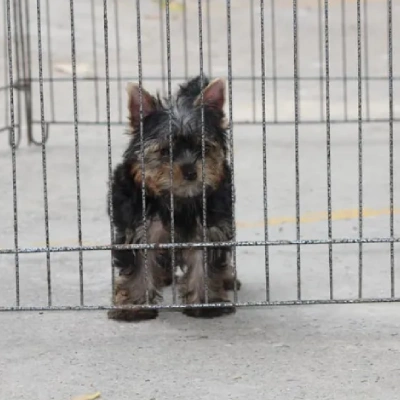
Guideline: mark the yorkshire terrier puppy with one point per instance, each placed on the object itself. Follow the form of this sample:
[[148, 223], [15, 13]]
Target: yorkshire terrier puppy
[[182, 117]]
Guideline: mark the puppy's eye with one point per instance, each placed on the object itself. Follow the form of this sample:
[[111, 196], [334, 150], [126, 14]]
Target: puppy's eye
[[164, 152], [207, 148]]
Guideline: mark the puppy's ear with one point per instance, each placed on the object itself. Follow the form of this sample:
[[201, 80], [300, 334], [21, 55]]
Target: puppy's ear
[[148, 103], [213, 94]]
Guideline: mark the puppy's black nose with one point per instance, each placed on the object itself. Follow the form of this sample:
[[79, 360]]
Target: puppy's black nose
[[189, 172]]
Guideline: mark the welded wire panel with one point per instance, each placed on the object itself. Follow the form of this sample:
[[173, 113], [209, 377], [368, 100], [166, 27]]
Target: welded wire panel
[[312, 174]]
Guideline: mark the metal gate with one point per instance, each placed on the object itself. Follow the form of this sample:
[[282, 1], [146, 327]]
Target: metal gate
[[311, 115]]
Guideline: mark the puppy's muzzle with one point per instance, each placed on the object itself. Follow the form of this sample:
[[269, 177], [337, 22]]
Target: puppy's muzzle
[[189, 172]]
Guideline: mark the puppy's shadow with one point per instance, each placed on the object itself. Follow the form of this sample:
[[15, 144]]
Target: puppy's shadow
[[245, 322]]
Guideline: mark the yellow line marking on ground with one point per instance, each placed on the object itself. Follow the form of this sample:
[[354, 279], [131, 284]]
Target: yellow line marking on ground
[[307, 218]]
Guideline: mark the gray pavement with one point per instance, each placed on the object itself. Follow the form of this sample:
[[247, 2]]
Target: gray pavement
[[332, 352]]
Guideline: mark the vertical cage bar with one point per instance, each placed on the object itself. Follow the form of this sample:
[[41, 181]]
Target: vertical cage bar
[[185, 40], [13, 149], [44, 155], [344, 58], [118, 55], [140, 71], [360, 152], [204, 200], [391, 155], [274, 61], [50, 61], [231, 146], [77, 158], [109, 154], [209, 39], [328, 145], [28, 82], [366, 59], [20, 36], [264, 134], [296, 135], [19, 59], [6, 78], [94, 56], [171, 176], [321, 62], [162, 41], [253, 60]]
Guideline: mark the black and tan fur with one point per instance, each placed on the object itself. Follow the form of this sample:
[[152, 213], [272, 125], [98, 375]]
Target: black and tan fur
[[182, 116]]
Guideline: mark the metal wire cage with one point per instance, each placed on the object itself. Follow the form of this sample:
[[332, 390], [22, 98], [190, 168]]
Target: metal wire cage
[[296, 70]]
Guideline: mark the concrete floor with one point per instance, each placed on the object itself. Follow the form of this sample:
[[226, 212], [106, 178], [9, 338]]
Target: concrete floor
[[333, 352]]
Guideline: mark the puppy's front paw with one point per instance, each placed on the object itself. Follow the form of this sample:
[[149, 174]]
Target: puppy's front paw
[[133, 314]]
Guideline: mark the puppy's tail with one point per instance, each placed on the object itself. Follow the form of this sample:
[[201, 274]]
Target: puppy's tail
[[190, 90]]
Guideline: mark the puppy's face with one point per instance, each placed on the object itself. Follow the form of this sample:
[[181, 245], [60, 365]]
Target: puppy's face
[[186, 168], [172, 144]]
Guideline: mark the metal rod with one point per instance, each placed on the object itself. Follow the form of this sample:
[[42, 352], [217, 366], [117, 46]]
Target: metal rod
[[185, 41], [77, 162], [44, 155], [360, 153], [200, 245], [321, 62], [264, 145], [171, 148], [304, 122], [203, 149], [109, 153], [13, 150], [118, 55], [328, 147], [296, 140], [209, 39], [162, 41], [366, 57], [253, 59], [345, 78], [172, 307], [231, 143], [94, 56], [50, 61], [242, 78], [142, 163], [274, 62], [391, 155]]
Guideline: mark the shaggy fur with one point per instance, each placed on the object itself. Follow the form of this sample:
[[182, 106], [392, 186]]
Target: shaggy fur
[[182, 116]]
